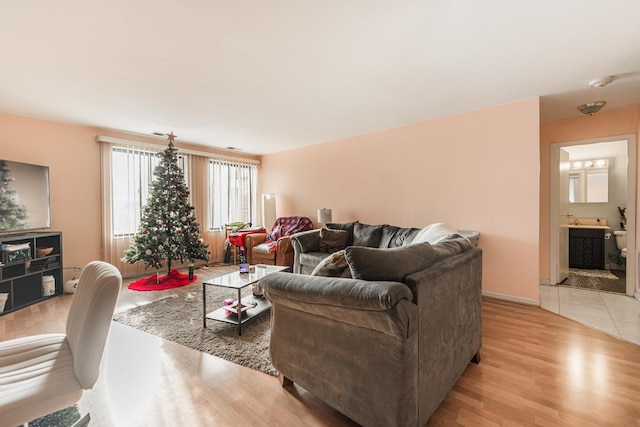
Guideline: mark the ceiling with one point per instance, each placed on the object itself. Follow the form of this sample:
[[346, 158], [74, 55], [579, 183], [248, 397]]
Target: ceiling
[[267, 76]]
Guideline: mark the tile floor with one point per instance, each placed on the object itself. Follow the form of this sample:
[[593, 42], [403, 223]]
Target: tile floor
[[618, 315]]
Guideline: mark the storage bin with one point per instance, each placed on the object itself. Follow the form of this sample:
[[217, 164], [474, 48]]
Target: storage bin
[[3, 300], [16, 256], [48, 286]]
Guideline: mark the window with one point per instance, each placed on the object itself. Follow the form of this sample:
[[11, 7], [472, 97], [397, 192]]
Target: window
[[232, 192], [131, 175]]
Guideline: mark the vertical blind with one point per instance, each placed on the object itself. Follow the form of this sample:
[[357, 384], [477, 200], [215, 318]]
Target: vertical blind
[[232, 187], [131, 175]]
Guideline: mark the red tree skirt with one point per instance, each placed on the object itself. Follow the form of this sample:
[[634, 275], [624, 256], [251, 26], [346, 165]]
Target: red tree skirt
[[174, 279]]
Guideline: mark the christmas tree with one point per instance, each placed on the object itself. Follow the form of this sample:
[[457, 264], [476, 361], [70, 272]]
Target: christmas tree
[[11, 213], [168, 227]]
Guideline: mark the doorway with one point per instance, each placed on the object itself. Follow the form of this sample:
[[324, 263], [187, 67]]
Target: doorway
[[569, 162]]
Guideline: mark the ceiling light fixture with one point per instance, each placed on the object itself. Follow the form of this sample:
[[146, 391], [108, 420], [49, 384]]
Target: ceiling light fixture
[[601, 82], [591, 108]]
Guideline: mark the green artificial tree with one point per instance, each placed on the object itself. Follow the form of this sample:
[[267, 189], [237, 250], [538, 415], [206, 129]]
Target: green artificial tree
[[168, 228], [11, 213]]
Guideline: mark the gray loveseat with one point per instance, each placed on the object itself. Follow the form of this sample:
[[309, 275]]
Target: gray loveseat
[[383, 348]]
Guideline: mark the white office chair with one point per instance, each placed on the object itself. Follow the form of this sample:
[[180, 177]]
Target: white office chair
[[42, 374]]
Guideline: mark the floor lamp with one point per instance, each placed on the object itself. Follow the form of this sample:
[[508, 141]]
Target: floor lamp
[[268, 210]]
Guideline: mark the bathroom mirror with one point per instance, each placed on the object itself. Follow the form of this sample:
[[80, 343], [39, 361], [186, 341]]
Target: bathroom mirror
[[589, 181]]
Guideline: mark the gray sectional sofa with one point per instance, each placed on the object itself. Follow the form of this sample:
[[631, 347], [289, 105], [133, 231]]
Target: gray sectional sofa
[[307, 245], [385, 346]]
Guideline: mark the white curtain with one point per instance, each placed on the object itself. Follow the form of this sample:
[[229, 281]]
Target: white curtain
[[200, 200], [233, 192]]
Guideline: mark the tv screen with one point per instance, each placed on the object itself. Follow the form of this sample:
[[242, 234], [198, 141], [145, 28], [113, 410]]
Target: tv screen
[[24, 196]]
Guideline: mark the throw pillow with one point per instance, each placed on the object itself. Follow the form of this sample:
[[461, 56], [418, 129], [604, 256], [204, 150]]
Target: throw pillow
[[335, 265], [333, 240], [367, 235], [348, 226], [392, 264]]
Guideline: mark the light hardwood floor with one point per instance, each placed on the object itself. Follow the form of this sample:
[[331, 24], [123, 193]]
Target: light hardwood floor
[[537, 368]]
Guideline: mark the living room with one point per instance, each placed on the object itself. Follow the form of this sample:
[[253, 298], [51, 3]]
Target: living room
[[459, 168]]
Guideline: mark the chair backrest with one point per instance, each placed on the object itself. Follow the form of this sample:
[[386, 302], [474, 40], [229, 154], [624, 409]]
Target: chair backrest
[[287, 226], [90, 318]]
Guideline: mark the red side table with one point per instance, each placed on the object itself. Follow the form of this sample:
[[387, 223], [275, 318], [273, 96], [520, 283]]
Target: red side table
[[237, 240]]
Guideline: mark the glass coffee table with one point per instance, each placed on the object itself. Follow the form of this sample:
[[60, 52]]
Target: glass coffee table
[[244, 308]]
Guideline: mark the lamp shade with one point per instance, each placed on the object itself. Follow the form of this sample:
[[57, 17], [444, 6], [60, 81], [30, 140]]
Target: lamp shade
[[324, 215], [268, 210]]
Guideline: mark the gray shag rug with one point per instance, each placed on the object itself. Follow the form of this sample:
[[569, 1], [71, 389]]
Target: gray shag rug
[[178, 318]]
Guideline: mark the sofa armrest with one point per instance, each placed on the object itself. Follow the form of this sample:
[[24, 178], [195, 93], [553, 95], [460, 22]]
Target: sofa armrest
[[252, 240], [380, 306], [284, 252], [335, 291], [307, 241]]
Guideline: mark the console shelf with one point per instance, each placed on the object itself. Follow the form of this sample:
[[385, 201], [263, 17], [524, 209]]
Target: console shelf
[[22, 272]]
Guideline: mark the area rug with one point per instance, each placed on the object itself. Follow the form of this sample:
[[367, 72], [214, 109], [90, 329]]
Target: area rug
[[603, 274], [174, 279], [178, 318], [597, 280]]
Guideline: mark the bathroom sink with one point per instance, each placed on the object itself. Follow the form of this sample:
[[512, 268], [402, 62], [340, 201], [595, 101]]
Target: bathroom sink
[[597, 227]]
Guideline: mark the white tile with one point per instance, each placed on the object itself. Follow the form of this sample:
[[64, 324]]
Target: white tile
[[620, 301], [604, 324], [548, 292], [579, 295], [627, 315], [630, 331], [551, 305], [591, 310], [614, 314]]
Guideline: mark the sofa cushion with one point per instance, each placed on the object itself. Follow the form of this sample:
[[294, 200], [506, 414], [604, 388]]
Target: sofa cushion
[[348, 226], [312, 258], [393, 236], [333, 240], [335, 265], [263, 250], [392, 264], [367, 235]]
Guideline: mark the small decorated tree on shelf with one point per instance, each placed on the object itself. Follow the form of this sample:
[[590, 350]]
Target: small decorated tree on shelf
[[168, 228], [11, 212]]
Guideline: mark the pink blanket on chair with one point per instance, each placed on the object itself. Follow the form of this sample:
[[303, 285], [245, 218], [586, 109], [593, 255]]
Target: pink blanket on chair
[[287, 226]]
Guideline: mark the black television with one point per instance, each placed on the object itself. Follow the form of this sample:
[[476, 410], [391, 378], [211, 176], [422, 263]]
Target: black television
[[24, 197]]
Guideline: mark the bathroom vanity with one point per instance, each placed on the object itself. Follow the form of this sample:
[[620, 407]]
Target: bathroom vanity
[[586, 246]]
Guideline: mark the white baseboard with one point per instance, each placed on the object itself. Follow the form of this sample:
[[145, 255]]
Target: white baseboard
[[506, 297], [545, 282], [636, 295]]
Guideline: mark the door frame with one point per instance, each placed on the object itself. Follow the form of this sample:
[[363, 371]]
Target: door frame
[[632, 259]]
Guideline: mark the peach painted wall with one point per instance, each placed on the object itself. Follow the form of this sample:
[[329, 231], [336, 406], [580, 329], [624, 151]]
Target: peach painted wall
[[73, 158], [601, 125], [472, 171]]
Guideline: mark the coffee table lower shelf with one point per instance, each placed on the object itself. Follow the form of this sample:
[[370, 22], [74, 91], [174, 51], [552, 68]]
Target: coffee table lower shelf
[[222, 315]]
